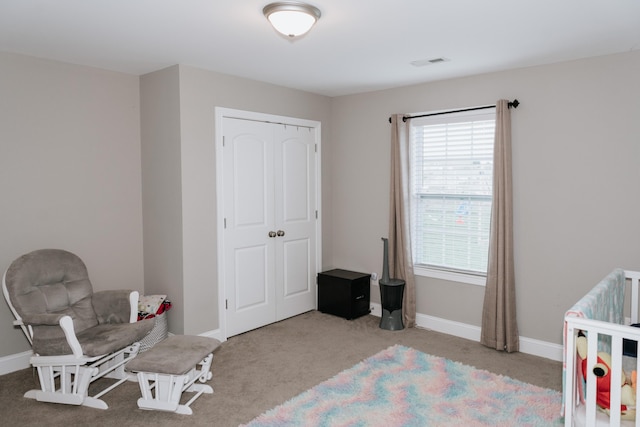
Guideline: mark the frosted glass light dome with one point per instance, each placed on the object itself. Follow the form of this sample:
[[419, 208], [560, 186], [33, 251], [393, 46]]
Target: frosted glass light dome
[[292, 19]]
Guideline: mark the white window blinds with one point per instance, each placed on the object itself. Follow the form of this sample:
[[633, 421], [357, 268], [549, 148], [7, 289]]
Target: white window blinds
[[452, 167]]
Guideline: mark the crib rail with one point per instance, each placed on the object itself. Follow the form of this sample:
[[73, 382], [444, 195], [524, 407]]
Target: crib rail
[[594, 331], [634, 277]]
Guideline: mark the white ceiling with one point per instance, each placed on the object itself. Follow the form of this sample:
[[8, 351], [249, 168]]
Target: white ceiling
[[357, 46]]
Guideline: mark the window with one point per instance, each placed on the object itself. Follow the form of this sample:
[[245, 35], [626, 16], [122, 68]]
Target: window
[[452, 169]]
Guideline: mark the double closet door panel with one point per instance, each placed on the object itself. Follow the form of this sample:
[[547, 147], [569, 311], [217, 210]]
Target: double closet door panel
[[270, 232]]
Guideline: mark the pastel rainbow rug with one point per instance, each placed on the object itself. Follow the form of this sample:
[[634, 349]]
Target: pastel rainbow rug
[[401, 386]]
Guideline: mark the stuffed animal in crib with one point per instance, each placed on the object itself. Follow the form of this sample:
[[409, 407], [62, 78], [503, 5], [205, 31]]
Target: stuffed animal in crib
[[602, 371]]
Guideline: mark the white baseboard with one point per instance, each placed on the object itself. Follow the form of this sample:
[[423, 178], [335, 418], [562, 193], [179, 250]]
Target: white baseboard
[[471, 332], [15, 362], [216, 333], [376, 309]]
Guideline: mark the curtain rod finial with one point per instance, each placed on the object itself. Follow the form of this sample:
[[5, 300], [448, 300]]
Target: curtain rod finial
[[404, 118], [514, 103]]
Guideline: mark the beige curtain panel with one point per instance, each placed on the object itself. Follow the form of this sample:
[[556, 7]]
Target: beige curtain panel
[[400, 260], [499, 327]]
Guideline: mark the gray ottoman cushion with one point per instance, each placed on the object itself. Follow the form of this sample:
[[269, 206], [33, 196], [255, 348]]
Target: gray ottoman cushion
[[175, 355]]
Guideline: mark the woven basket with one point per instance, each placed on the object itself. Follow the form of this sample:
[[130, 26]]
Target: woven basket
[[158, 333]]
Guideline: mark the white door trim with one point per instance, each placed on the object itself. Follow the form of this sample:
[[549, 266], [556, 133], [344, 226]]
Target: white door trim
[[220, 113]]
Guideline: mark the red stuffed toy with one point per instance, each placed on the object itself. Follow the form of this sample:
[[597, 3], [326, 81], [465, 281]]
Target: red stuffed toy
[[602, 371]]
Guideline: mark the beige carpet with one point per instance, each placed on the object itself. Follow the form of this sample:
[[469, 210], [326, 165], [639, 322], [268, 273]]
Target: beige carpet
[[258, 370]]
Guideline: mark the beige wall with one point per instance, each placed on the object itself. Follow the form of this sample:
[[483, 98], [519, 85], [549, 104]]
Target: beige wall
[[72, 176], [162, 189], [69, 172], [576, 147], [200, 92]]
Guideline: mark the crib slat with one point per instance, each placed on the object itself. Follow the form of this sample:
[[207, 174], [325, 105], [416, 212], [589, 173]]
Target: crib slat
[[633, 276], [637, 393], [570, 393], [592, 358], [616, 379]]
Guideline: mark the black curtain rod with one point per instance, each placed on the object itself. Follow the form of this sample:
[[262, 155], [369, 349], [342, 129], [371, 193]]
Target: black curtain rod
[[513, 104]]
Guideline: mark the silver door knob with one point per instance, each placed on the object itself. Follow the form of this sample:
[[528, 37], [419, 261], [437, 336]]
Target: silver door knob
[[280, 233], [272, 234]]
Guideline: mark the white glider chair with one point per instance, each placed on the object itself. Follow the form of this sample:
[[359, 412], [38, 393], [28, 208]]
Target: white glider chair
[[77, 336]]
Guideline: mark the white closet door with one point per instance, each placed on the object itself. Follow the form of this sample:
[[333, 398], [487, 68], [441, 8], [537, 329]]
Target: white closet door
[[270, 222], [295, 215], [249, 218]]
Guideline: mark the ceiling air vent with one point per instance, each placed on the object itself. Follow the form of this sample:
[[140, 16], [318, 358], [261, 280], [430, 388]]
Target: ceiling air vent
[[423, 62]]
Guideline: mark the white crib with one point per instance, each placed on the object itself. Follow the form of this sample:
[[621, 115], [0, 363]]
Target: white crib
[[605, 331]]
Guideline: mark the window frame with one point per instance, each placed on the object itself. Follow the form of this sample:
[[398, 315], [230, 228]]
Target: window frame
[[442, 272]]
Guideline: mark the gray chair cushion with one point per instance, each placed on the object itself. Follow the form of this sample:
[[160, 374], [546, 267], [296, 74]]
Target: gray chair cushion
[[107, 338], [51, 281], [47, 284], [96, 341]]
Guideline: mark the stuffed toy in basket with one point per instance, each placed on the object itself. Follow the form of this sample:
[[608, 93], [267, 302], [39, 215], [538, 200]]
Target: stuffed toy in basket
[[154, 306]]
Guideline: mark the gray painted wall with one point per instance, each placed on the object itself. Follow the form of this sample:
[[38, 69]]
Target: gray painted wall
[[576, 147], [72, 175], [69, 172], [190, 154], [162, 190]]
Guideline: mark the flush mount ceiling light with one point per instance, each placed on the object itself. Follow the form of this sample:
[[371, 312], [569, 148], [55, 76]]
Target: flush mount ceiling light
[[291, 18]]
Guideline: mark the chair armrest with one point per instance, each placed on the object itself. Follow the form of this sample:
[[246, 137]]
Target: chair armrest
[[65, 322], [116, 306], [47, 319]]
